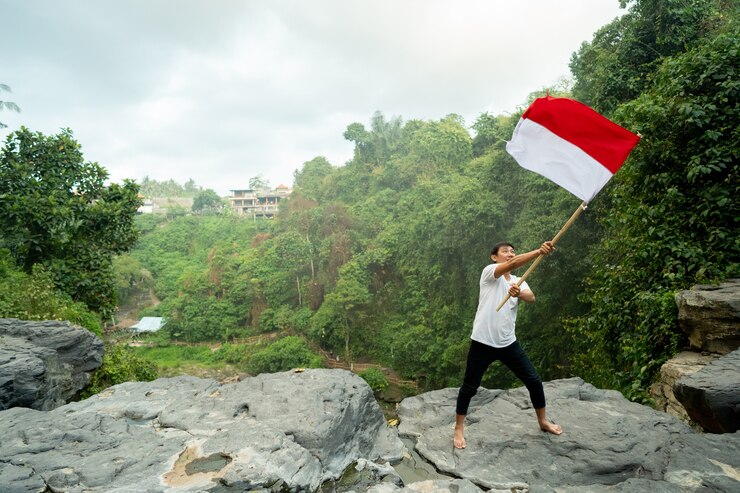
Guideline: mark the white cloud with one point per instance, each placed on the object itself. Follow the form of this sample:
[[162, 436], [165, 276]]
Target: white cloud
[[223, 91]]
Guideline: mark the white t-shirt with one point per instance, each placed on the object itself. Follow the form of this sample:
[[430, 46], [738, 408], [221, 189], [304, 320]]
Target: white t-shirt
[[491, 327]]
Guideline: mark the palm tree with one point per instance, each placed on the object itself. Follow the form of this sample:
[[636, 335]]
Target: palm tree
[[7, 104]]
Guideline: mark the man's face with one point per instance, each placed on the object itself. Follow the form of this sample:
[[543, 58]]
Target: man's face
[[504, 253]]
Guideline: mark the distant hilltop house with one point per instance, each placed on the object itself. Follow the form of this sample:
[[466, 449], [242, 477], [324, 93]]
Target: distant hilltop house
[[258, 203], [162, 205], [146, 207]]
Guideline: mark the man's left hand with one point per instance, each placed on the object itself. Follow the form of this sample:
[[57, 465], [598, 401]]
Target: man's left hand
[[514, 291]]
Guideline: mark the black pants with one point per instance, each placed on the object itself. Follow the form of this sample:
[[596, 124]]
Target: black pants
[[480, 357]]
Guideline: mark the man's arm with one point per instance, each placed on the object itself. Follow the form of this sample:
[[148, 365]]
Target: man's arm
[[523, 294], [522, 259]]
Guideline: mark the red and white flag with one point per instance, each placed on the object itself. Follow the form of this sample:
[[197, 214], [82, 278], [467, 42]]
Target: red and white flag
[[570, 144]]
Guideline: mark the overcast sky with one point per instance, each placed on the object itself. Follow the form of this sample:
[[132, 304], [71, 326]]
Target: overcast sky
[[221, 91]]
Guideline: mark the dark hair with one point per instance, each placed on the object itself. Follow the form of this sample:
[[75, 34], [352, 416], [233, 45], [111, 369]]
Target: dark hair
[[494, 250]]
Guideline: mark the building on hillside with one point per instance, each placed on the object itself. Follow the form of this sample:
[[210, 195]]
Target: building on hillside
[[258, 203], [146, 207]]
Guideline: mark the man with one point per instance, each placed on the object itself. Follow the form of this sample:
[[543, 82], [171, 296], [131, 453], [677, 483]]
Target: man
[[493, 335]]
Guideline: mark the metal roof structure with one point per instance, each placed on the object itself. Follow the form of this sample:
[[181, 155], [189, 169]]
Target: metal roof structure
[[148, 324]]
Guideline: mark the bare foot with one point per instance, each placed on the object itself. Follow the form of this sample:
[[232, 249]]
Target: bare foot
[[551, 427], [459, 440]]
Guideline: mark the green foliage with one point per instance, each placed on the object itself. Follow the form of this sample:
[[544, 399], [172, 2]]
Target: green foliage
[[257, 182], [314, 177], [130, 278], [285, 354], [618, 64], [120, 365], [380, 258], [166, 356], [146, 223], [34, 297], [198, 271], [375, 379], [169, 188], [207, 202], [233, 354], [671, 218], [56, 211]]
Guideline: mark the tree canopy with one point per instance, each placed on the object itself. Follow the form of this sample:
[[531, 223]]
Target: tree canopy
[[56, 211], [669, 218]]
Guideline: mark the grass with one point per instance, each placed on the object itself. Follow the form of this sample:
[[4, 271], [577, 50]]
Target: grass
[[177, 356]]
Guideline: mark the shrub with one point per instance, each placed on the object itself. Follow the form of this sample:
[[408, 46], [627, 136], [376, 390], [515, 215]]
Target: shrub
[[375, 379], [289, 352], [120, 365], [34, 297]]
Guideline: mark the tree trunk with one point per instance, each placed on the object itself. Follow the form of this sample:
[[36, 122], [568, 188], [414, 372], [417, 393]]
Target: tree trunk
[[298, 283]]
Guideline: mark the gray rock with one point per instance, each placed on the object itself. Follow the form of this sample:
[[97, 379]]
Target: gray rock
[[608, 444], [711, 396], [683, 364], [288, 431], [418, 413], [44, 364], [710, 315], [704, 462], [431, 486]]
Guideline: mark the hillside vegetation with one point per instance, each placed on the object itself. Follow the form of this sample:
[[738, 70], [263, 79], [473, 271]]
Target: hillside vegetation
[[379, 259]]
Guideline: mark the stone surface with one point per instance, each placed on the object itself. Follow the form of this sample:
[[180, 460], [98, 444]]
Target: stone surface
[[608, 444], [44, 364], [284, 431], [431, 486], [711, 396], [294, 431], [710, 315], [683, 364]]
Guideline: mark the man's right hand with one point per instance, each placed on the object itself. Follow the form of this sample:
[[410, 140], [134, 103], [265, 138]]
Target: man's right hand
[[547, 248]]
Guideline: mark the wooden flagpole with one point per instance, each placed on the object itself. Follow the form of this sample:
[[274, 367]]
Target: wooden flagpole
[[537, 261]]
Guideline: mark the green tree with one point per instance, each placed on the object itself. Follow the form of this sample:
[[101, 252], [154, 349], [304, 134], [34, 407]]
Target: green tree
[[258, 182], [313, 178], [130, 277], [34, 297], [169, 188], [670, 217], [55, 210], [343, 308], [120, 365], [207, 202], [285, 354], [617, 65], [190, 188], [375, 379]]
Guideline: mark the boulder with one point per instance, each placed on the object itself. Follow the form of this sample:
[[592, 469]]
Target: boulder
[[608, 443], [710, 316], [683, 364], [711, 396], [284, 431], [293, 431], [44, 364]]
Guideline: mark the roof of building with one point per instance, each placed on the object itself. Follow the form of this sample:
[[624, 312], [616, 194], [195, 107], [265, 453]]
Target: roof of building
[[148, 324]]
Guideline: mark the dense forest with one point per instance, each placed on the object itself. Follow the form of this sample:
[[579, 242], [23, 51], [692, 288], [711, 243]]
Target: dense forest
[[379, 259]]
